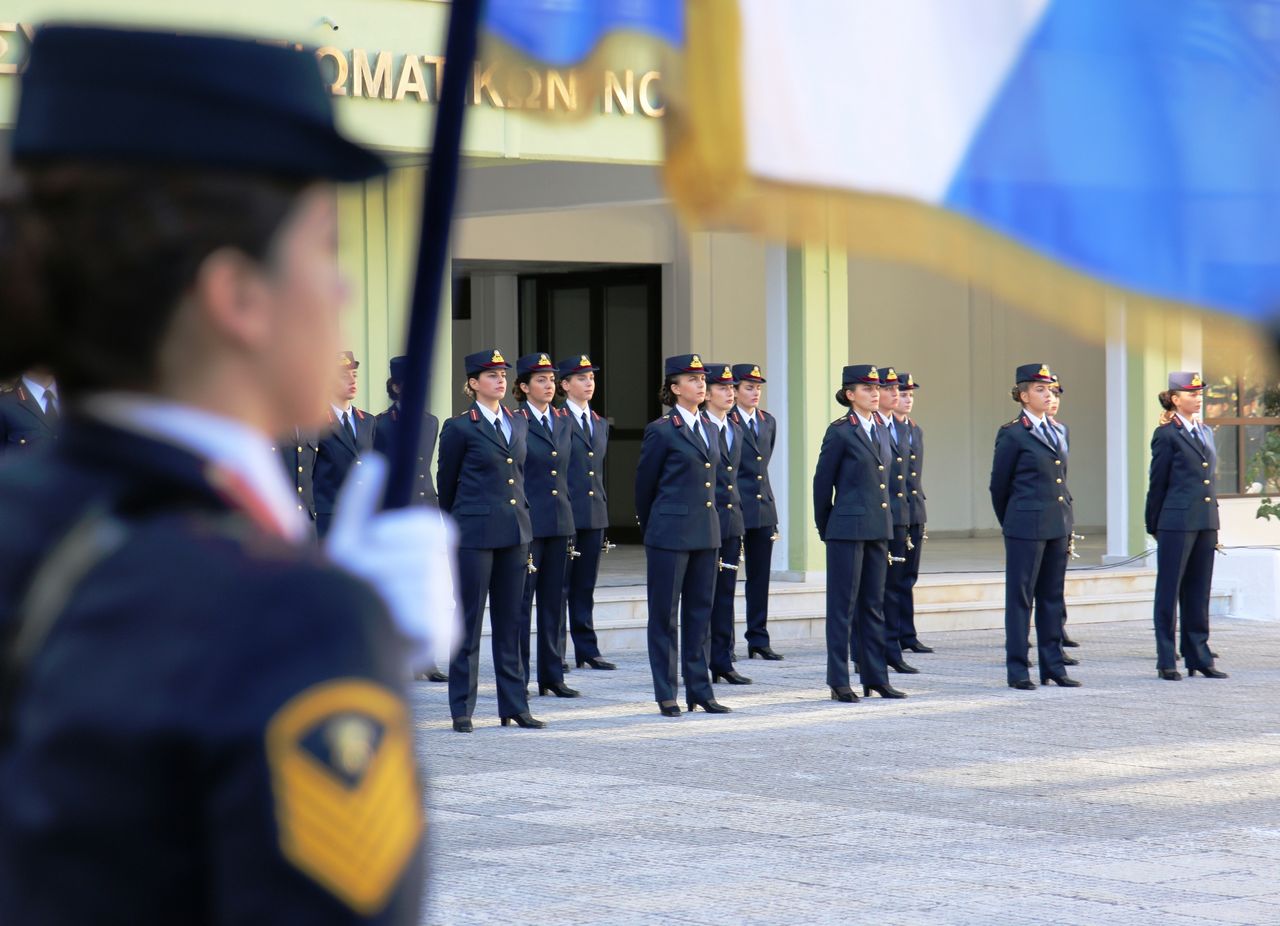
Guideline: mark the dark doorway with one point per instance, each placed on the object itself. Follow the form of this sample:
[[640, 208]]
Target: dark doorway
[[615, 316]]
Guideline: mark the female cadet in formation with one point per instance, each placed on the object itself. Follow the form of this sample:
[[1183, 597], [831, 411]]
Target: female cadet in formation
[[900, 510], [1033, 505], [546, 485], [728, 440], [759, 511], [851, 510], [676, 508], [902, 590], [590, 444], [1182, 516], [481, 476], [183, 286]]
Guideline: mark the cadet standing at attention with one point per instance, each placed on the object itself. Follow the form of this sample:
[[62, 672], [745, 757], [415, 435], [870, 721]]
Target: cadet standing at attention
[[904, 582], [481, 470], [676, 507], [1033, 505], [900, 509], [350, 433], [387, 426], [590, 445], [729, 442], [201, 718], [1182, 516], [546, 484], [759, 512], [1064, 436], [851, 510], [29, 415], [298, 451]]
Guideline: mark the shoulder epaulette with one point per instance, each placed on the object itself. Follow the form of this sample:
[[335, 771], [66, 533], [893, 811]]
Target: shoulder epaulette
[[675, 419], [841, 420]]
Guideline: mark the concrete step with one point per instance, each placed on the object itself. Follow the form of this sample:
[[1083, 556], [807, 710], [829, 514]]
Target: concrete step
[[954, 601]]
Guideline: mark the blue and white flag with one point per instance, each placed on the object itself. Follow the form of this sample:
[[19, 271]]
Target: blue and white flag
[[564, 32]]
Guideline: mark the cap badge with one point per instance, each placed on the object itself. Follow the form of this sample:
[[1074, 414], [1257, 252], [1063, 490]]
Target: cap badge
[[497, 357], [1196, 380], [585, 361], [755, 371], [726, 373], [695, 363], [544, 360], [891, 376], [1044, 372]]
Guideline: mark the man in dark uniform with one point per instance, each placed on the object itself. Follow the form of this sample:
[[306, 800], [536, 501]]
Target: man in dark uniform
[[905, 581], [759, 511], [577, 378], [728, 437], [350, 433], [29, 415], [201, 719], [424, 486], [298, 450], [895, 438]]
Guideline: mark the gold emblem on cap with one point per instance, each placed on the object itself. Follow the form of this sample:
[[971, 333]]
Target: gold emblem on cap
[[497, 357], [344, 360], [544, 360], [874, 372], [1196, 380], [755, 371], [695, 363], [726, 373], [891, 376], [585, 361], [1044, 371], [911, 381]]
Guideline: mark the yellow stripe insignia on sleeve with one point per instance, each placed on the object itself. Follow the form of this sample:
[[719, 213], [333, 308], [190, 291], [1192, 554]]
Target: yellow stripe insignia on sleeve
[[345, 788]]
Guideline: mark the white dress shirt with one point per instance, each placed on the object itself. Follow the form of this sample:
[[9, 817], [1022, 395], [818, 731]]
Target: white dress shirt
[[491, 417], [37, 393], [694, 421], [578, 411]]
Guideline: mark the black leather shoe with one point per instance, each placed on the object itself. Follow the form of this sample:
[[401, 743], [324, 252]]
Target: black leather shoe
[[525, 720], [902, 668], [732, 677], [917, 647], [763, 652], [884, 691], [711, 706], [669, 708], [1023, 684], [1208, 673], [559, 689], [1070, 660], [1169, 675], [1068, 642], [462, 725], [843, 693], [1062, 681], [435, 675], [596, 663]]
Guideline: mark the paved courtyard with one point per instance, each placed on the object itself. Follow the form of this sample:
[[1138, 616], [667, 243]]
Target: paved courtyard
[[1128, 801]]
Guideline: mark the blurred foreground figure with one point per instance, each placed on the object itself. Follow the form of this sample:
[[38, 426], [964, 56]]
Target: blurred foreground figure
[[201, 718]]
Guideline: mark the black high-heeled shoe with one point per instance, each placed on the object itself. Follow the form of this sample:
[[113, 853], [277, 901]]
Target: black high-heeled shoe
[[462, 725], [524, 720], [884, 691], [1208, 673], [559, 689], [1062, 681], [596, 663], [902, 668], [1169, 675], [1023, 684], [917, 647], [669, 708], [711, 706], [1068, 642], [763, 652], [844, 693], [733, 677], [1070, 660]]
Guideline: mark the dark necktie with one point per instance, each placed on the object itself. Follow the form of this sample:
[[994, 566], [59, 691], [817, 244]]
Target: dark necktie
[[724, 441], [50, 408], [875, 436], [586, 425], [755, 427], [349, 426], [1199, 432], [1051, 433], [497, 427], [546, 423], [697, 432]]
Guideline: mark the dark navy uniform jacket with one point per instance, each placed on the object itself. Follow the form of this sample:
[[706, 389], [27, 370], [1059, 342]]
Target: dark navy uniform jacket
[[1029, 484], [854, 471], [337, 453], [202, 689], [899, 495], [1183, 491], [586, 473], [298, 450], [915, 472], [758, 506], [424, 489], [23, 424], [728, 472], [676, 487], [546, 473], [482, 481]]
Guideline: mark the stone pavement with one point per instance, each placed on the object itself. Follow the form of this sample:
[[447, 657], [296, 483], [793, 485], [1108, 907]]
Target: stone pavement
[[1127, 801]]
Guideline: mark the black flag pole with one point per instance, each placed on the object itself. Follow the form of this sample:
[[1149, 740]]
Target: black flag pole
[[433, 246]]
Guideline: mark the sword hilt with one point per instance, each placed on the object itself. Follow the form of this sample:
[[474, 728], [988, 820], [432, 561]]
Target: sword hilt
[[528, 565]]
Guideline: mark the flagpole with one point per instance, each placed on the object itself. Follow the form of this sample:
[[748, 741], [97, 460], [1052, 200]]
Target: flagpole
[[438, 198]]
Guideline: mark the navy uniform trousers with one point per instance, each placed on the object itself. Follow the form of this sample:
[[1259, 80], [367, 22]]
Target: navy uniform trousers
[[591, 517], [726, 584], [681, 586], [899, 590], [580, 593], [757, 549], [729, 511], [855, 610], [1034, 574]]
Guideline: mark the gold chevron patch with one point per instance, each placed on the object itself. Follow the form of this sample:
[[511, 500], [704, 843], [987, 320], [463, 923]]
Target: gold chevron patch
[[345, 788]]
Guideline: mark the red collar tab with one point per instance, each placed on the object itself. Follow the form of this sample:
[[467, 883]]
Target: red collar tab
[[1026, 422], [237, 493], [675, 418], [475, 416]]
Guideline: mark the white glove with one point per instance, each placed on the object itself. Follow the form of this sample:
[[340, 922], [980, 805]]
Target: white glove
[[409, 555]]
